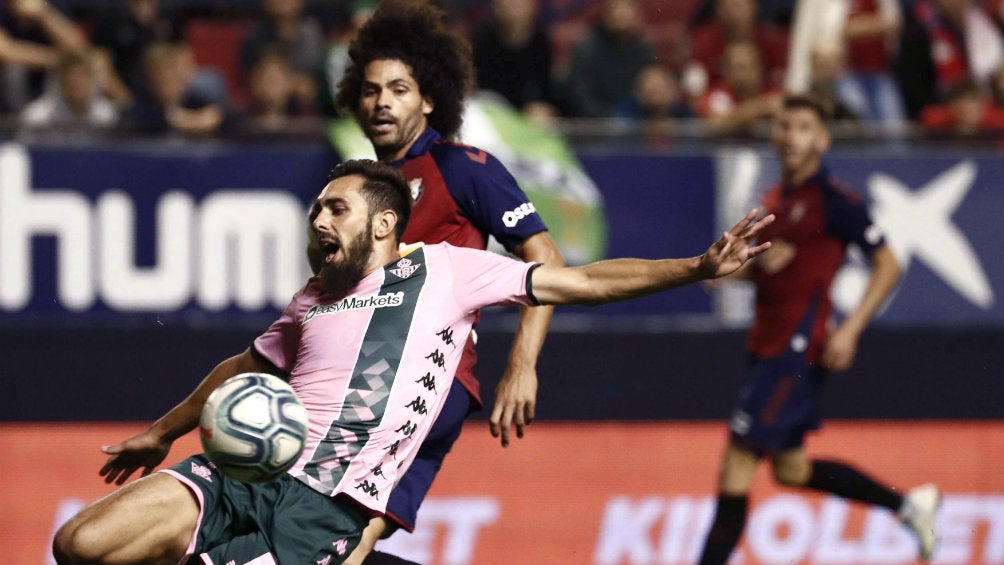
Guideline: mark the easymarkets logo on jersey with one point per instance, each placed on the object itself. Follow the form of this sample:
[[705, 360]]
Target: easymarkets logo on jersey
[[355, 303]]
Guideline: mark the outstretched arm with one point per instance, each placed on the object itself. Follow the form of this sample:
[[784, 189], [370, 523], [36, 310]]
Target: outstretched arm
[[148, 449], [516, 392], [621, 279]]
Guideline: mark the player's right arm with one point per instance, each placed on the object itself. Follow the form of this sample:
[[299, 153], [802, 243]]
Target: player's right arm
[[148, 449], [622, 279]]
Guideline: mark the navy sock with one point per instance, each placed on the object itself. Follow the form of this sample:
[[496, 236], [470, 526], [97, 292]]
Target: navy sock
[[730, 519], [847, 482]]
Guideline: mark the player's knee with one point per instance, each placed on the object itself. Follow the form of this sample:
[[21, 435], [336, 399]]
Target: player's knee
[[790, 475], [78, 542]]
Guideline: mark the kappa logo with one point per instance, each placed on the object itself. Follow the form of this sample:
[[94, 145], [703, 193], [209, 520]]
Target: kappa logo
[[202, 471], [325, 561], [405, 268], [341, 546], [417, 188]]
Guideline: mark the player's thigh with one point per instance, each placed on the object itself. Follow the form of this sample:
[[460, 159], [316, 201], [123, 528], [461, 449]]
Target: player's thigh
[[791, 467], [151, 520], [738, 467]]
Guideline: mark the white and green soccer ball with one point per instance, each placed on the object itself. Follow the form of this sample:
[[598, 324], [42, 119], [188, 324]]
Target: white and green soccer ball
[[253, 427]]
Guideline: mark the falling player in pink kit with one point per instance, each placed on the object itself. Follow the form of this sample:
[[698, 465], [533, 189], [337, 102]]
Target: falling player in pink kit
[[371, 345]]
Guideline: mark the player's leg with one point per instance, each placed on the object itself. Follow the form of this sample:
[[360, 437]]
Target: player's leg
[[734, 481], [759, 425], [917, 509], [149, 521], [408, 494]]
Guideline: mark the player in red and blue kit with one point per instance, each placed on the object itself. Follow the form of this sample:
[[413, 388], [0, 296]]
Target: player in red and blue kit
[[406, 83], [791, 346]]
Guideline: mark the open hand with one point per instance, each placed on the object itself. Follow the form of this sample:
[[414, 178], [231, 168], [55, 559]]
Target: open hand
[[515, 403], [735, 246], [144, 451]]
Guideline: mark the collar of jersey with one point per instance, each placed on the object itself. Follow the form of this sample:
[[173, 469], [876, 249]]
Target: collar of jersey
[[817, 178], [420, 147]]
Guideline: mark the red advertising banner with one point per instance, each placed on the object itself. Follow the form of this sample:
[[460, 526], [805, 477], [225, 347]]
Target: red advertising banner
[[595, 493]]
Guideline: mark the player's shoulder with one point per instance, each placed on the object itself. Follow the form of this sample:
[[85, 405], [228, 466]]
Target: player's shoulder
[[452, 253], [463, 157], [836, 188]]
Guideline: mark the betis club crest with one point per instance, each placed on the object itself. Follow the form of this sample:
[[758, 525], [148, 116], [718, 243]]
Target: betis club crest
[[405, 268]]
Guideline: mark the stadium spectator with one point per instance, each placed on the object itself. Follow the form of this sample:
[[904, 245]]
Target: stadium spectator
[[868, 32], [512, 56], [32, 32], [776, 12], [77, 103], [657, 95], [946, 42], [966, 112], [741, 99], [734, 21], [127, 28], [284, 25], [337, 58], [606, 62], [827, 73], [406, 85], [997, 87], [872, 33], [356, 371], [176, 104], [792, 345], [272, 104], [657, 102]]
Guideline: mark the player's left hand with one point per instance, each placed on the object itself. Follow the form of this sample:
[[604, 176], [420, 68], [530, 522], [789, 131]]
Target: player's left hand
[[142, 452], [515, 403], [735, 247], [840, 349]]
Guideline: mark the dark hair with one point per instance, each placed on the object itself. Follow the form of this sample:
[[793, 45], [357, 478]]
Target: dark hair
[[415, 33], [822, 108], [383, 189]]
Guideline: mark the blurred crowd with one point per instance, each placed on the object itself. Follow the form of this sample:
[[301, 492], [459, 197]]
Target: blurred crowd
[[195, 69]]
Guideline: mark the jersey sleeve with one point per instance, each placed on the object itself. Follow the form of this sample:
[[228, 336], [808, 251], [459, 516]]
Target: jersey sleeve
[[847, 218], [280, 342], [489, 196], [483, 278]]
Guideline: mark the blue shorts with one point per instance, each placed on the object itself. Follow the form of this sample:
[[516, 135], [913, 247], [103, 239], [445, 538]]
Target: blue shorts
[[282, 521], [407, 496], [778, 404]]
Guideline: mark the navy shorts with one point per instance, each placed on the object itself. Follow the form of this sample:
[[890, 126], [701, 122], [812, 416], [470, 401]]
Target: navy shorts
[[282, 521], [407, 496], [778, 404]]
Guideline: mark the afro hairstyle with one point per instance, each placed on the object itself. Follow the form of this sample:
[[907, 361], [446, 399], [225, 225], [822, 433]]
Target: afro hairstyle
[[417, 34]]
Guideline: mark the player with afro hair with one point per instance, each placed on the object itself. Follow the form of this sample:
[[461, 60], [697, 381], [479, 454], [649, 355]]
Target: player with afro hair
[[415, 33]]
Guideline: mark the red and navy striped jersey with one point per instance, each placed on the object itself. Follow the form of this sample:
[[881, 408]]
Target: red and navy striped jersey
[[819, 218], [462, 195]]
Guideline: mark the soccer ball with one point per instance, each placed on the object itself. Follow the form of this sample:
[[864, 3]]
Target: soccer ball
[[253, 427]]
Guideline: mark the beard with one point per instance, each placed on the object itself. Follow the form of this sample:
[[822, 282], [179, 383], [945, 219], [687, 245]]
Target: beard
[[337, 278]]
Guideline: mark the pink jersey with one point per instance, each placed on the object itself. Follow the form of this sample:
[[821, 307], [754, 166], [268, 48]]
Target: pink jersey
[[374, 368]]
